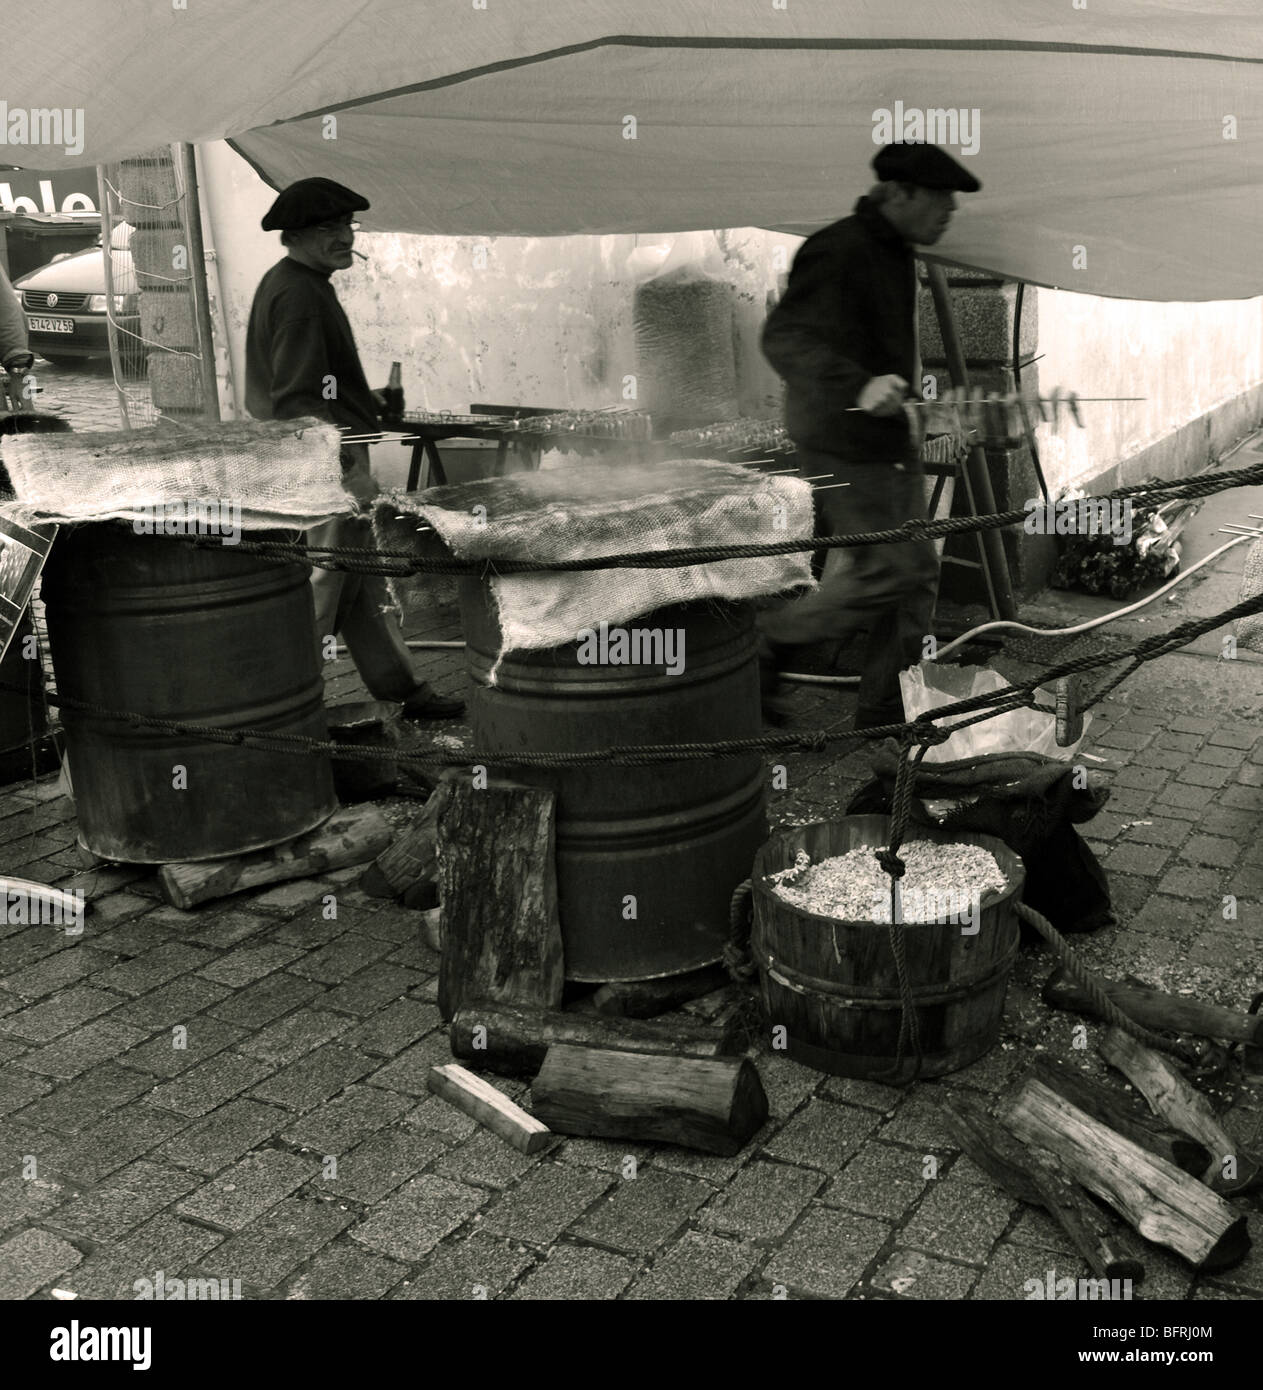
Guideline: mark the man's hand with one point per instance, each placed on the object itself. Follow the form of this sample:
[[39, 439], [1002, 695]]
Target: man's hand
[[883, 395]]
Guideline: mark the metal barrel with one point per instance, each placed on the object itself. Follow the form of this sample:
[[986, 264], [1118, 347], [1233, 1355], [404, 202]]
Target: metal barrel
[[833, 985], [647, 857], [153, 625]]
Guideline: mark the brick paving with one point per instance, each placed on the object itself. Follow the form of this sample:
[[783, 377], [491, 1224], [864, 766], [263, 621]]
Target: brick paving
[[239, 1092]]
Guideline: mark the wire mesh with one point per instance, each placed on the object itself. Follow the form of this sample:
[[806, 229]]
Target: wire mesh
[[150, 291]]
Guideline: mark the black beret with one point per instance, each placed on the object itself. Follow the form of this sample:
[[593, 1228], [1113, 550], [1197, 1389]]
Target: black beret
[[925, 165], [310, 201]]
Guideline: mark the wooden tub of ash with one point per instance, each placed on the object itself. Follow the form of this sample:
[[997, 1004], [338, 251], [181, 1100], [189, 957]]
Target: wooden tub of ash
[[821, 941]]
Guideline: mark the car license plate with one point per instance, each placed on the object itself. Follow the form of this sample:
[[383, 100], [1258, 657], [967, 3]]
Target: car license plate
[[42, 325]]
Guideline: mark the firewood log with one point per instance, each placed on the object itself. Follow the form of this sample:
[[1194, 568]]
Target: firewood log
[[1172, 1097], [512, 1039], [1037, 1176], [412, 857], [498, 896], [1166, 1205], [352, 835], [647, 998], [713, 1104], [1156, 1009], [488, 1106], [1112, 1109]]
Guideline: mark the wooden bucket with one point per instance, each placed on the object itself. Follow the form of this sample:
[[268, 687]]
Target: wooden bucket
[[832, 984]]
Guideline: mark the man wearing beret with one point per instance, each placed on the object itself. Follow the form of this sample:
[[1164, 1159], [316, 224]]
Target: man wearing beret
[[844, 338], [301, 359]]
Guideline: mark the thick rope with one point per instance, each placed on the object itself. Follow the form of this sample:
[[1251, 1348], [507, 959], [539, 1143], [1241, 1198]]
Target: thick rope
[[888, 858], [1101, 1001], [644, 755], [367, 560], [738, 959]]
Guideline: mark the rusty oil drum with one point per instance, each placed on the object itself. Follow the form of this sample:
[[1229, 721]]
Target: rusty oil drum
[[678, 837], [155, 626]]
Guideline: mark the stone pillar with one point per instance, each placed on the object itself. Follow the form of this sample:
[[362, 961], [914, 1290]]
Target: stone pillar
[[985, 308]]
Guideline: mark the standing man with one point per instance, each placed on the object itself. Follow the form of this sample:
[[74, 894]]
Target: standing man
[[301, 359], [844, 338]]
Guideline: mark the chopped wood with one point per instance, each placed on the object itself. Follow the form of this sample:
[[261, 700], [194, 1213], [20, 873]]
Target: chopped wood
[[432, 929], [488, 1106], [1112, 1108], [716, 1104], [513, 1039], [412, 857], [1181, 1105], [647, 998], [1037, 1176], [1166, 1205], [1156, 1009], [498, 896], [351, 835]]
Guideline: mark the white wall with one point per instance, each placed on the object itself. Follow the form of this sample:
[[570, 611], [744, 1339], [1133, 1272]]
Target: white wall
[[1184, 359]]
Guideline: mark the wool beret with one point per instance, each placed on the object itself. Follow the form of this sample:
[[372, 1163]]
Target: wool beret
[[311, 201], [925, 165]]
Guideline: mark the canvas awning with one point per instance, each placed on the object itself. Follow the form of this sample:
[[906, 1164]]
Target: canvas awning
[[1119, 149]]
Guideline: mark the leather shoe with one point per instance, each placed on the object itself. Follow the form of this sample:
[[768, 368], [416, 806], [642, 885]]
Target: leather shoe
[[425, 703]]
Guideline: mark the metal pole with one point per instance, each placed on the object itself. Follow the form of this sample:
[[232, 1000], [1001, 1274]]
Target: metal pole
[[197, 274], [107, 229], [977, 474]]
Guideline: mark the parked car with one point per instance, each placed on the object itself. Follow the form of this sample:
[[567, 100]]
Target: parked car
[[64, 303]]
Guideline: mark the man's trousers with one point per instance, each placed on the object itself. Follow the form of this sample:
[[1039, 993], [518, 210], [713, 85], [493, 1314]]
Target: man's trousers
[[888, 589], [358, 606]]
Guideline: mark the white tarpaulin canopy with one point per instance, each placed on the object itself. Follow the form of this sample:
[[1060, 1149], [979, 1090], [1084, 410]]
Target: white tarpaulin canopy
[[1120, 146]]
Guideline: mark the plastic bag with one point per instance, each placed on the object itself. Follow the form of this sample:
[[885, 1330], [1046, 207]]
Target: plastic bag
[[928, 686]]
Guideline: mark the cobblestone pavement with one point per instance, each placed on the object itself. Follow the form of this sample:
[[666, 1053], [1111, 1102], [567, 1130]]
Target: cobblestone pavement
[[83, 392], [290, 1142]]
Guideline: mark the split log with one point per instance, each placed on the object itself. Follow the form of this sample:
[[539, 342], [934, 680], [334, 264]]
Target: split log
[[1036, 1176], [715, 1104], [1112, 1109], [647, 998], [1156, 1009], [351, 835], [512, 1039], [1164, 1204], [488, 1106], [412, 858], [1172, 1097], [498, 896], [432, 929]]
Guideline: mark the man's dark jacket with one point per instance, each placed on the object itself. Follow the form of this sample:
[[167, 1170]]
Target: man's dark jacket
[[297, 339], [847, 315]]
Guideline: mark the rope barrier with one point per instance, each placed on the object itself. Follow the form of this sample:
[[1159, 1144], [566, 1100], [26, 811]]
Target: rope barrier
[[923, 730], [368, 560], [1101, 1001]]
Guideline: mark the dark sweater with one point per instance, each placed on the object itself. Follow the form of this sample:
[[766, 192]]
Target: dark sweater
[[847, 316], [299, 336]]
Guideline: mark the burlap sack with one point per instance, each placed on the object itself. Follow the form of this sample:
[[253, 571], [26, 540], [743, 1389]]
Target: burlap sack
[[279, 473], [605, 508], [1250, 629]]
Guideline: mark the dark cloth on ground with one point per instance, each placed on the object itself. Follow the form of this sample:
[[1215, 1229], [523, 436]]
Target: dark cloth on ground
[[1029, 802]]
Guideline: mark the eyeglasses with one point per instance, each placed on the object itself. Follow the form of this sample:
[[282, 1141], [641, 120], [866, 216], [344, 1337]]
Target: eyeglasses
[[340, 226]]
